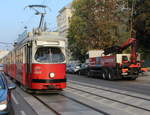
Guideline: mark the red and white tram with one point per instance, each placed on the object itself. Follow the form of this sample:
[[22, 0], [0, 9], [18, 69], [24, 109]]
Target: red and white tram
[[38, 61]]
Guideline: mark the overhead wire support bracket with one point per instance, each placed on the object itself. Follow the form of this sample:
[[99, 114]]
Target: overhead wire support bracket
[[37, 8]]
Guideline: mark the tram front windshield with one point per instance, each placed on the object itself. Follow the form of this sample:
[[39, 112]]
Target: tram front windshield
[[49, 55]]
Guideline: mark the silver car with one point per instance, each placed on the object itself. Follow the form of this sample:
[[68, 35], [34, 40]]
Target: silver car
[[1, 67]]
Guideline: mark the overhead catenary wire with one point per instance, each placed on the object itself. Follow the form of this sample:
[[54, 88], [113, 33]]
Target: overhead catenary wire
[[5, 43], [27, 24]]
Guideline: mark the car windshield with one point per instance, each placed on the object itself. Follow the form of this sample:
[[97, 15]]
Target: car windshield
[[49, 55]]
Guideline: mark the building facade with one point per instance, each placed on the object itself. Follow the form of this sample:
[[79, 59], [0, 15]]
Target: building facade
[[63, 20], [3, 53]]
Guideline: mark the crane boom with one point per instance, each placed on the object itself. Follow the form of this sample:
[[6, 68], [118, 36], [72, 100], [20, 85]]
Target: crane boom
[[118, 49], [133, 43]]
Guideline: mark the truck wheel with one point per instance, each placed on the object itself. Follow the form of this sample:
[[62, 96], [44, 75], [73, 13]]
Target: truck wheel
[[111, 74], [105, 74]]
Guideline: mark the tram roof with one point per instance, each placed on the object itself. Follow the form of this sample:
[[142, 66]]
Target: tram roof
[[42, 36], [46, 36]]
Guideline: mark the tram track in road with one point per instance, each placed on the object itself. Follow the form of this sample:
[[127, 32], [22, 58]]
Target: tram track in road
[[48, 106], [53, 109], [99, 111], [139, 97], [139, 86], [79, 89]]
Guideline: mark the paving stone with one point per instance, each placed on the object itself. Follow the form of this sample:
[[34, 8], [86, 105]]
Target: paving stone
[[131, 100], [109, 102], [98, 98], [85, 95], [145, 103], [120, 106], [119, 97], [102, 100], [82, 113], [139, 112], [93, 97]]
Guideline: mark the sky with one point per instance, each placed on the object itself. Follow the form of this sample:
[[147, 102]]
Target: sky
[[14, 17]]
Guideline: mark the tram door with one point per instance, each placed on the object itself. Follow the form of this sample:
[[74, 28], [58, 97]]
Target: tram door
[[28, 58]]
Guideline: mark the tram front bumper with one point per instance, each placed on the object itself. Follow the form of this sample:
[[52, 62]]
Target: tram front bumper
[[48, 83]]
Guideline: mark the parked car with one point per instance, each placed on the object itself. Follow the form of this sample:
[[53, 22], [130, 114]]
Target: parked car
[[83, 69], [5, 96], [72, 68], [1, 67]]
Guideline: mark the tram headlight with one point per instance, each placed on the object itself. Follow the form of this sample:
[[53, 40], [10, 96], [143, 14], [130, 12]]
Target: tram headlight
[[52, 75]]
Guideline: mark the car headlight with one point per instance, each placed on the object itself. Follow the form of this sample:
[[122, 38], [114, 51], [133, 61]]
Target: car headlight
[[3, 105], [52, 75]]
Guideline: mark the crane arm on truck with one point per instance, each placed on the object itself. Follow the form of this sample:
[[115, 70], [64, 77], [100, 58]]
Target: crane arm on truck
[[133, 43], [118, 49]]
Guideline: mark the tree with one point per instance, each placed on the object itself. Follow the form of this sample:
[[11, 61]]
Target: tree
[[80, 27], [96, 24], [142, 23], [142, 28]]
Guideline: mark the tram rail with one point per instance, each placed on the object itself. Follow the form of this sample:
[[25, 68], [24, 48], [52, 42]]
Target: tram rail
[[48, 106], [146, 99], [72, 99], [76, 87]]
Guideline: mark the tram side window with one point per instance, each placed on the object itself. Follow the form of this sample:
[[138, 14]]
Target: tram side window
[[49, 55]]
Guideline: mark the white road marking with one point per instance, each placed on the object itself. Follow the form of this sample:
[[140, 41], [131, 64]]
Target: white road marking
[[22, 113], [15, 100]]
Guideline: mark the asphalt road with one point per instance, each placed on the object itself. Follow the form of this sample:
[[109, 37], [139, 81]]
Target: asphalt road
[[140, 85]]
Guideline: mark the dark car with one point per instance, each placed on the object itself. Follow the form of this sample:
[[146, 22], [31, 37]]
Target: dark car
[[5, 96], [83, 69]]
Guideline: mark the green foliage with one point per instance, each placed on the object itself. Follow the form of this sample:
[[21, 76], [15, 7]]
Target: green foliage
[[96, 24], [79, 28], [142, 24]]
